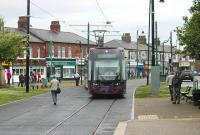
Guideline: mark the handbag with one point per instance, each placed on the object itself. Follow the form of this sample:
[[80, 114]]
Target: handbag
[[58, 90]]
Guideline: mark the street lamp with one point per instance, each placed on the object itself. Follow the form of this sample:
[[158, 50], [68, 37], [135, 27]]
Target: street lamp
[[164, 55], [137, 50], [171, 69], [152, 30], [81, 57]]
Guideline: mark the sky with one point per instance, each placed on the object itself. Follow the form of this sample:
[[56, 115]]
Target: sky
[[126, 16]]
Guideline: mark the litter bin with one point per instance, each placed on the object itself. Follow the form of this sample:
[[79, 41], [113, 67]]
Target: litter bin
[[162, 78]]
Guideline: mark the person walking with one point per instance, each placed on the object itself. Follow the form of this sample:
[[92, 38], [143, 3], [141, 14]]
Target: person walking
[[176, 84], [169, 82], [77, 78], [21, 80], [54, 85], [8, 75]]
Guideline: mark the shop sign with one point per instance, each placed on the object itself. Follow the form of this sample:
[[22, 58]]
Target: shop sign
[[62, 63]]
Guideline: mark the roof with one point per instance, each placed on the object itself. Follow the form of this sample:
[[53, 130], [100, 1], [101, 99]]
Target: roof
[[40, 35], [133, 46], [126, 45]]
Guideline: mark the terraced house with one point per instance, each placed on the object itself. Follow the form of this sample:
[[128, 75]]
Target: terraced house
[[69, 51]]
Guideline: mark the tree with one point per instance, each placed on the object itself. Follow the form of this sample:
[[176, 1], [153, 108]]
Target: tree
[[11, 46], [189, 33]]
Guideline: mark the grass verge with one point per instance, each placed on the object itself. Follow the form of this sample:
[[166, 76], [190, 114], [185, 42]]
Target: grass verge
[[144, 91], [11, 94], [16, 93]]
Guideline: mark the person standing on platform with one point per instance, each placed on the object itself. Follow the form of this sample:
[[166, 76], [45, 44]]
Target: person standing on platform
[[176, 84], [77, 78], [169, 82]]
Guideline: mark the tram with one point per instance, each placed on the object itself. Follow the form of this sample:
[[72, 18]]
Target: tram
[[106, 71]]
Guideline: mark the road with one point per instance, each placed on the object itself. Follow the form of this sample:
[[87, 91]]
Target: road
[[75, 114]]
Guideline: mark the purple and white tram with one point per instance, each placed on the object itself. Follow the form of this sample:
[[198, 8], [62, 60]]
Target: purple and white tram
[[106, 71]]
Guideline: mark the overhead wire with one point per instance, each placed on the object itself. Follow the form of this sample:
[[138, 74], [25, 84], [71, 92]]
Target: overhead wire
[[101, 10], [45, 11], [53, 16]]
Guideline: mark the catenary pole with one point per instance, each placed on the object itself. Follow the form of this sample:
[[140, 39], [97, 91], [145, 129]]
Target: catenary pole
[[27, 50]]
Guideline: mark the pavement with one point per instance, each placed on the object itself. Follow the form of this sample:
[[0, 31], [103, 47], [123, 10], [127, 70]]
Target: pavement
[[158, 116]]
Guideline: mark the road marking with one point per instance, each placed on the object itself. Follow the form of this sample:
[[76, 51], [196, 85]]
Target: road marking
[[148, 117], [121, 128]]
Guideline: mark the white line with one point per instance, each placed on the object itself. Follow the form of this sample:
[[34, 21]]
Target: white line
[[121, 128]]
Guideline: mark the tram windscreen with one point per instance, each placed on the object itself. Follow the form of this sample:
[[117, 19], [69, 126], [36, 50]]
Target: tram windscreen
[[107, 69]]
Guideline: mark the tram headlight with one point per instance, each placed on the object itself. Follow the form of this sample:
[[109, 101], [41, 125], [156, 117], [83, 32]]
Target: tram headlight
[[117, 84], [95, 84]]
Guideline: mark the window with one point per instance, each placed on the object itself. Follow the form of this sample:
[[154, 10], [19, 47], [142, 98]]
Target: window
[[63, 52], [59, 52], [52, 52], [69, 51], [24, 53], [86, 51], [31, 53], [81, 55], [38, 53]]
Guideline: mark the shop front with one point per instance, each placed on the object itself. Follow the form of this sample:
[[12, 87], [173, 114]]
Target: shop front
[[61, 68]]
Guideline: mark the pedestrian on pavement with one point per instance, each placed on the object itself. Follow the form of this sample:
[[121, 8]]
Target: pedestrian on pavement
[[21, 80], [169, 82], [8, 75], [77, 78], [32, 81], [176, 84], [54, 85]]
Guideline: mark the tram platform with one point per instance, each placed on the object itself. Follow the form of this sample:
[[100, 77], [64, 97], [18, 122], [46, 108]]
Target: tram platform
[[158, 116]]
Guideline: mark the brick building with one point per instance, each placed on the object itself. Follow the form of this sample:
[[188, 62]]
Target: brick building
[[67, 50]]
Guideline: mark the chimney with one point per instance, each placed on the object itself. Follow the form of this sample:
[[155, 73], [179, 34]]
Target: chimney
[[55, 26], [142, 40], [22, 22], [126, 37]]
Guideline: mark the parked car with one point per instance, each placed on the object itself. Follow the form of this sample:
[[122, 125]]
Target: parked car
[[186, 75], [195, 73]]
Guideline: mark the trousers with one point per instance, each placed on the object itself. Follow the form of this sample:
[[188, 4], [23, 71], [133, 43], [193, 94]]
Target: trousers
[[176, 95], [54, 96]]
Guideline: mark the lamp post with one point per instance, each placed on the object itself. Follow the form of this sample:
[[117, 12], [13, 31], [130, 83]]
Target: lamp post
[[81, 57], [51, 55], [152, 30], [137, 60], [81, 53], [155, 74], [129, 64], [164, 55], [171, 69]]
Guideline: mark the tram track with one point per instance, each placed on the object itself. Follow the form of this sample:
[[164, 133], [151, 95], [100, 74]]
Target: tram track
[[94, 132], [67, 118]]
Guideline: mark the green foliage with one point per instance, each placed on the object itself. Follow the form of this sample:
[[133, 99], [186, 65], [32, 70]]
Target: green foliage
[[195, 7], [189, 33], [11, 45]]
